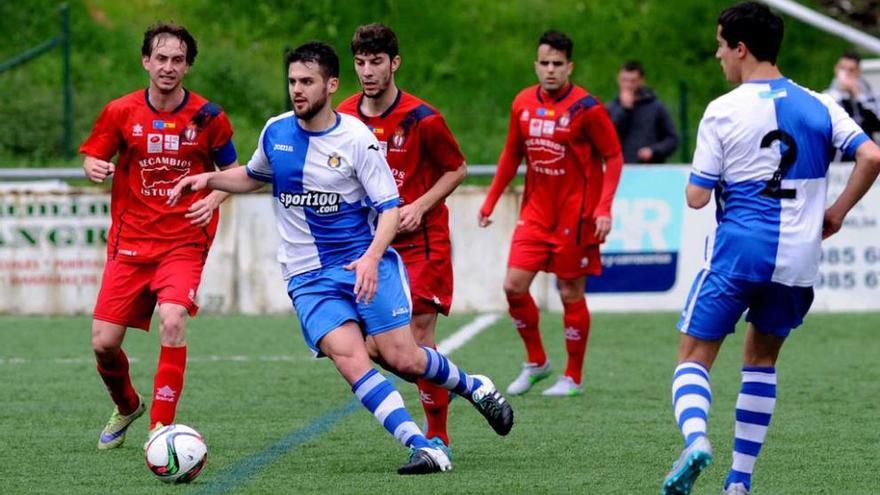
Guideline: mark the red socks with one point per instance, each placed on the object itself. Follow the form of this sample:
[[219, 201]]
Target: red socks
[[577, 330], [435, 401], [525, 317], [167, 385], [114, 372]]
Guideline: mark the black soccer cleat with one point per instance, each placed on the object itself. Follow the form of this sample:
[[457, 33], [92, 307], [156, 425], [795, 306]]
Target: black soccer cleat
[[426, 461], [493, 406]]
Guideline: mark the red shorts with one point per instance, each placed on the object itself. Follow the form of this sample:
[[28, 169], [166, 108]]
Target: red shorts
[[430, 282], [537, 249], [130, 291]]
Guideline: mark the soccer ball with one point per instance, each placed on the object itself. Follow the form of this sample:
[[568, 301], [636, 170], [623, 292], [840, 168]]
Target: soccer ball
[[176, 454]]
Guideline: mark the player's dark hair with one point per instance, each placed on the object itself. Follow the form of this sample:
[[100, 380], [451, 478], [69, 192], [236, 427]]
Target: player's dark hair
[[633, 66], [319, 53], [167, 28], [557, 41], [756, 26], [852, 55], [373, 39]]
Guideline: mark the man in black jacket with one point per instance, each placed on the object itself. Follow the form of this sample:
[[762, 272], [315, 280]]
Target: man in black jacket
[[852, 92], [646, 132]]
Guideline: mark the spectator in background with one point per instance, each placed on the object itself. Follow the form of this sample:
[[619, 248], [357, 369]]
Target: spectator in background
[[852, 92], [642, 122]]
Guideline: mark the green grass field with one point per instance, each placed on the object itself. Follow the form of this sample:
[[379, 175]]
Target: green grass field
[[277, 421]]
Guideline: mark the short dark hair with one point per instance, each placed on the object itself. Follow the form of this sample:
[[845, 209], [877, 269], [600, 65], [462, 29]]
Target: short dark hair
[[754, 25], [557, 41], [633, 66], [373, 39], [852, 55], [172, 29], [317, 52]]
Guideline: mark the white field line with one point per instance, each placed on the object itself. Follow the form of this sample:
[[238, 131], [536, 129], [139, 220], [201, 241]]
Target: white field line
[[447, 346]]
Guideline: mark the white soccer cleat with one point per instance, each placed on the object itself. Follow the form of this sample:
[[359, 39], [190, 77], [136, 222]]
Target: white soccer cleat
[[736, 489], [426, 460], [564, 387], [528, 377]]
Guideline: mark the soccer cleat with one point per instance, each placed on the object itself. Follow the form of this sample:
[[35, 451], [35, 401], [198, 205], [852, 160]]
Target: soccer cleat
[[437, 442], [530, 375], [426, 460], [564, 387], [152, 433], [736, 489], [113, 434], [493, 406], [693, 461]]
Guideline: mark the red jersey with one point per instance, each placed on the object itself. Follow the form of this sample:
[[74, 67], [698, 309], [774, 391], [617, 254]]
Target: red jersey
[[420, 148], [156, 149], [573, 158]]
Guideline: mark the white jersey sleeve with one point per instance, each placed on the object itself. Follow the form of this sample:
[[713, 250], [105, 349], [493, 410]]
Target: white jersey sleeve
[[709, 154], [846, 135], [374, 174]]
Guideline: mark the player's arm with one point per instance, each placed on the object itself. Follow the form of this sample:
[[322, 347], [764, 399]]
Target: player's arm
[[707, 163], [511, 156], [443, 151], [101, 145], [233, 180], [224, 157], [861, 179], [601, 132], [375, 176]]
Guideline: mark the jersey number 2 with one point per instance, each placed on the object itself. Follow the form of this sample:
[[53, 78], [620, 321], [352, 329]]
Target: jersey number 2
[[789, 156]]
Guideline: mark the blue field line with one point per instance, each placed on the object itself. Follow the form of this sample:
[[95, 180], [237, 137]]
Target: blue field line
[[236, 475]]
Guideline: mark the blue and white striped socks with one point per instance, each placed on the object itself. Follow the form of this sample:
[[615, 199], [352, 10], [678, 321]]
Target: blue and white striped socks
[[691, 398], [445, 373], [380, 397], [754, 408]]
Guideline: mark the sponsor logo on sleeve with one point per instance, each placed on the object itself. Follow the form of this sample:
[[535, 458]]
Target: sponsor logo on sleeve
[[287, 148]]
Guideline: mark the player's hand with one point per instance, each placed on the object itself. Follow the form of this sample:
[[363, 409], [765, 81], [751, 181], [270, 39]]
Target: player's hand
[[194, 182], [603, 227], [832, 222], [410, 217], [645, 154], [366, 270], [201, 211], [97, 170], [483, 220]]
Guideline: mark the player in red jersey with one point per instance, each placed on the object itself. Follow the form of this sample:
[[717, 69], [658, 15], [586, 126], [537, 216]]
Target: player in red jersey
[[427, 165], [574, 164], [155, 253]]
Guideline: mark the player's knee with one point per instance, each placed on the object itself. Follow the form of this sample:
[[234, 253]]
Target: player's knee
[[406, 363], [104, 347], [514, 288], [571, 290], [172, 326]]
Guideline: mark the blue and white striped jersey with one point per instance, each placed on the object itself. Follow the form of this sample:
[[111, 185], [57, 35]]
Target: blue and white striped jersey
[[327, 188], [765, 148]]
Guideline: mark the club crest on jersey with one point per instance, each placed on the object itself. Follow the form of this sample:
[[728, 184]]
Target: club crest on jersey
[[564, 120], [321, 203], [191, 133], [398, 139], [334, 160]]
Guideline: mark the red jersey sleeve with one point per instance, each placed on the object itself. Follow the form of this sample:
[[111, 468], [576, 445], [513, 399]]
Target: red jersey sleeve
[[441, 145], [106, 136], [600, 131], [511, 156]]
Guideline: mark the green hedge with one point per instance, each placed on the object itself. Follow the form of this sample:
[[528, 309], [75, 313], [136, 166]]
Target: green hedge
[[468, 58]]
